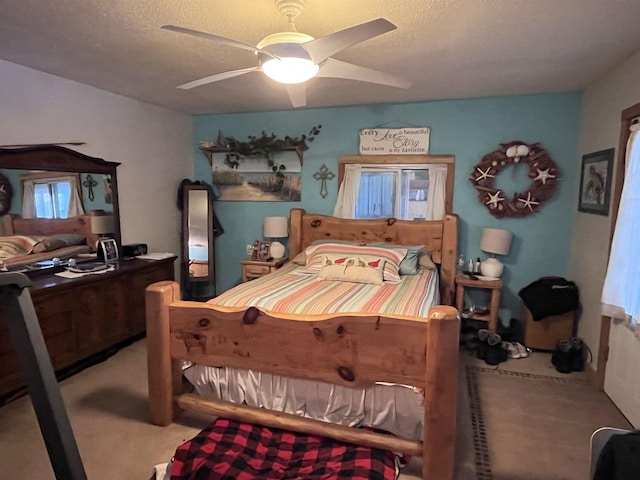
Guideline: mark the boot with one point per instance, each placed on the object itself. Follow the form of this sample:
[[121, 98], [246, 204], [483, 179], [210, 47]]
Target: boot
[[563, 357], [577, 354]]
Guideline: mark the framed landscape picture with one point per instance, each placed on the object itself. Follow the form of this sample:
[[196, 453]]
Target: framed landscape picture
[[595, 182]]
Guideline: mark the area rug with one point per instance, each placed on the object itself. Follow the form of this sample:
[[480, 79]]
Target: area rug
[[536, 427]]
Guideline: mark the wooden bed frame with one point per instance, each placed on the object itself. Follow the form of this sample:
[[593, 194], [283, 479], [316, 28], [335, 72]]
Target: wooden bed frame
[[352, 350]]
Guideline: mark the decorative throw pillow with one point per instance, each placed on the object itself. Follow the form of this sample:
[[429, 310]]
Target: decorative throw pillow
[[69, 239], [49, 243], [357, 268], [425, 261], [409, 264], [15, 245], [300, 259], [391, 257]]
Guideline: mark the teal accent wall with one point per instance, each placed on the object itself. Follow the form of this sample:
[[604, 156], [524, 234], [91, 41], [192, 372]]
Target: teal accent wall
[[467, 128]]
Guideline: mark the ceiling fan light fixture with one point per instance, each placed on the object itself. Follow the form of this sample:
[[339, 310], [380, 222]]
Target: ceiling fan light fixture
[[290, 70]]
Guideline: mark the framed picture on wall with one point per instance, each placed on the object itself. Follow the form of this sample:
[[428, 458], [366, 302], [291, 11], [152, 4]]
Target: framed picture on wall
[[595, 182]]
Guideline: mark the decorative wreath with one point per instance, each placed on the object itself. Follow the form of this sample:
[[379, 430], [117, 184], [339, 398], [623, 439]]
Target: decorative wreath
[[542, 170]]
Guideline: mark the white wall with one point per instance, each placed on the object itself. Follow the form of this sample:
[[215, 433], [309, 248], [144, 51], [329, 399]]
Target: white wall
[[152, 144], [603, 103]]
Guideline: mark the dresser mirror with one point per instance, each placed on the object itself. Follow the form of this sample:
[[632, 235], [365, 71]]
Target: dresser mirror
[[50, 172]]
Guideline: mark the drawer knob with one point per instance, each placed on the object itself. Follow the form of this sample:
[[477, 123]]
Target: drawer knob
[[204, 322]]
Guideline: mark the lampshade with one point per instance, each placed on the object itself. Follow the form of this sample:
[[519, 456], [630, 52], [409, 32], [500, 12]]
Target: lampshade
[[496, 240], [276, 227], [102, 224]]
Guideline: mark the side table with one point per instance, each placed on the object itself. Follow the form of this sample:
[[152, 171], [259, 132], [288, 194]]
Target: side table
[[464, 281], [252, 269]]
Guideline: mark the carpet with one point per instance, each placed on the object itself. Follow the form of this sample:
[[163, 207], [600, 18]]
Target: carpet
[[534, 427]]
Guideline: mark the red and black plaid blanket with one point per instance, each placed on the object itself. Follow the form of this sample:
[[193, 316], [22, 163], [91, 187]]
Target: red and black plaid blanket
[[231, 450]]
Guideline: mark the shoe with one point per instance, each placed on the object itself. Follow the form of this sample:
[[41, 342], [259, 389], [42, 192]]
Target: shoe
[[515, 349], [496, 354], [511, 348], [563, 357], [481, 347]]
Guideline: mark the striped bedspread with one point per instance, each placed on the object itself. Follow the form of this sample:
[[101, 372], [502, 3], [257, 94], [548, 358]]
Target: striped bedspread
[[289, 291]]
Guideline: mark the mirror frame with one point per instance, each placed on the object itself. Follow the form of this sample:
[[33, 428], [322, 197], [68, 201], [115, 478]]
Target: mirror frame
[[60, 159], [192, 286]]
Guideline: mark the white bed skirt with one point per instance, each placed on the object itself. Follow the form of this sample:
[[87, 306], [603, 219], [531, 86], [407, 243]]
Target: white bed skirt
[[398, 409]]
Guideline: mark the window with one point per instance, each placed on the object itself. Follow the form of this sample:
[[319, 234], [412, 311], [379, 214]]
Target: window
[[392, 192], [52, 198], [51, 195], [407, 187]]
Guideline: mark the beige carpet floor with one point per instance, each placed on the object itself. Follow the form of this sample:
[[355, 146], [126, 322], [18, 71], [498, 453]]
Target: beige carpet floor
[[513, 426]]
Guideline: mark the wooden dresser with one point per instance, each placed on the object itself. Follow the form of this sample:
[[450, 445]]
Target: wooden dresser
[[84, 316]]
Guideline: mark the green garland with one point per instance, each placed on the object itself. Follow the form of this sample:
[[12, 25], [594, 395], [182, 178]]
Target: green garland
[[543, 171], [265, 146]]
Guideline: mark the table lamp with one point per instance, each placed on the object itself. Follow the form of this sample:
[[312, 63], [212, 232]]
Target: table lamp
[[102, 225], [497, 242], [276, 227]]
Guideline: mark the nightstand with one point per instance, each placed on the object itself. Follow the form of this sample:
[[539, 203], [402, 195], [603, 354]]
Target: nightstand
[[252, 269], [463, 281]]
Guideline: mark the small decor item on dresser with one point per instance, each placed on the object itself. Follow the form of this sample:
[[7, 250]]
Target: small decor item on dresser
[[107, 250], [543, 171], [134, 249]]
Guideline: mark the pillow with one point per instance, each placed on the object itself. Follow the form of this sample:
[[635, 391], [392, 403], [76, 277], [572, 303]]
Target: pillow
[[392, 257], [358, 269], [425, 261], [300, 259], [409, 264], [49, 243], [16, 245], [69, 239], [340, 242]]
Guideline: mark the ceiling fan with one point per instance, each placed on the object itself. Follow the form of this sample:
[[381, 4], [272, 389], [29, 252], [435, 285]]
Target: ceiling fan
[[292, 58]]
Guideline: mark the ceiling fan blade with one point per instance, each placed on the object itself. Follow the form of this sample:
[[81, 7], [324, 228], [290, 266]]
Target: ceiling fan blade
[[216, 38], [217, 77], [322, 48], [336, 69], [297, 94]]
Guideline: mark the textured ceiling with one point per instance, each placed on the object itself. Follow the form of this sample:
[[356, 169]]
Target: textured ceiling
[[446, 48]]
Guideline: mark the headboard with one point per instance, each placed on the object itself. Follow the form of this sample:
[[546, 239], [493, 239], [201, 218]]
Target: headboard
[[439, 237], [16, 225]]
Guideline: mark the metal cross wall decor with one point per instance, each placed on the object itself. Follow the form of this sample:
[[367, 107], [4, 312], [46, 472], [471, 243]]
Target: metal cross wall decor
[[322, 176], [89, 182]]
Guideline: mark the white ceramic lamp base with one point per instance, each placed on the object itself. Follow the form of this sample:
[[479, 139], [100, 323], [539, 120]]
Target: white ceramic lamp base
[[276, 250], [491, 267]]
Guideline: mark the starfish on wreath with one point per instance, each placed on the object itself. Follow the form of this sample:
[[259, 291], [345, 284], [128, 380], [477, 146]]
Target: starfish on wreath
[[484, 175], [494, 199], [543, 176], [528, 202]]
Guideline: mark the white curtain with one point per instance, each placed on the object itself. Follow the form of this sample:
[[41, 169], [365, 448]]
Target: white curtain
[[75, 202], [621, 292], [28, 198], [437, 191], [348, 192]]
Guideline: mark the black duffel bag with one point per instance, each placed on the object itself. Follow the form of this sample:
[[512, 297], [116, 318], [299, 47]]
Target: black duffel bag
[[550, 296]]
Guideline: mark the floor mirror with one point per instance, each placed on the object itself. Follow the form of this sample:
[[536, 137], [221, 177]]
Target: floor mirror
[[198, 278]]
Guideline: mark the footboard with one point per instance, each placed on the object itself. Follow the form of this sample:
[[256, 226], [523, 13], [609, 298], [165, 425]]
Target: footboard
[[345, 349]]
